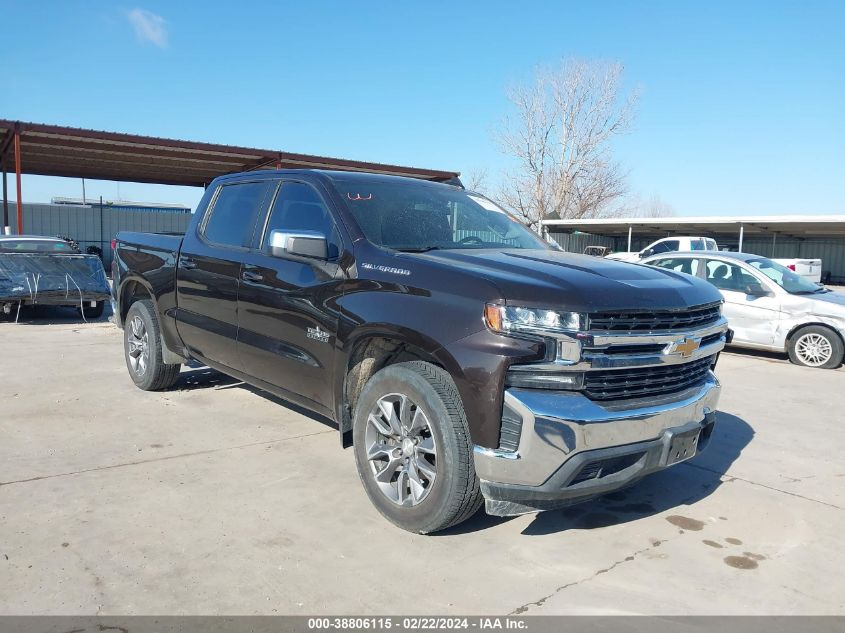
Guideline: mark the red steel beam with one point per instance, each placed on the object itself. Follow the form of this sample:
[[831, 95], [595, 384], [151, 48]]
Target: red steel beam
[[18, 176]]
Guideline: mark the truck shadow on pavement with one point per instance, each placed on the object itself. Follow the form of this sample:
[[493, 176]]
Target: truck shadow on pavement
[[202, 377], [680, 485]]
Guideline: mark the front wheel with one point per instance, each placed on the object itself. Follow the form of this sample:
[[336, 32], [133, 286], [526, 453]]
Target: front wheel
[[413, 450], [816, 346], [142, 348]]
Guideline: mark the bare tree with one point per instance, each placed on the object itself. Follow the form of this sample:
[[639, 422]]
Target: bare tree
[[560, 135], [656, 207], [635, 207], [475, 179]]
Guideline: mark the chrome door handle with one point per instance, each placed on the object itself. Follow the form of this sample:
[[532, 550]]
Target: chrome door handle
[[248, 275], [187, 262]]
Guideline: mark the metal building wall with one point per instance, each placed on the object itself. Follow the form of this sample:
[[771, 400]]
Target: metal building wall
[[830, 251], [83, 223], [577, 242]]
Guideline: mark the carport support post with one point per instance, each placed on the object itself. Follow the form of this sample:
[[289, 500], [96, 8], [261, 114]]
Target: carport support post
[[5, 202], [741, 233], [630, 234], [102, 242], [18, 176]]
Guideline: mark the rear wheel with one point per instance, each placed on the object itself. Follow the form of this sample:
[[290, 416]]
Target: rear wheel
[[413, 450], [142, 349], [816, 346]]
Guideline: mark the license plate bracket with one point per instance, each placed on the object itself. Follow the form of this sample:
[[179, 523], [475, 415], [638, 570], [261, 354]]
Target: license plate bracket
[[681, 446]]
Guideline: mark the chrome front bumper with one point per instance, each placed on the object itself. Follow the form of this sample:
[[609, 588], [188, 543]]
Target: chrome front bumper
[[563, 435]]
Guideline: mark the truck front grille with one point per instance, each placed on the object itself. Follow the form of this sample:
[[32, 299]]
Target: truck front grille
[[625, 384], [654, 320]]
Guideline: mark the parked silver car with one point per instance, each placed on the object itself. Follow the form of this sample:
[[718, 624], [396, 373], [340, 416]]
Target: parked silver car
[[769, 306]]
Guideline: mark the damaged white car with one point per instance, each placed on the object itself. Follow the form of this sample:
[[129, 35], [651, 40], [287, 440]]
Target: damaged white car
[[768, 306]]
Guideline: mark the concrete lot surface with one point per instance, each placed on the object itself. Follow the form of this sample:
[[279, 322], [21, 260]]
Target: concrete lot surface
[[215, 498]]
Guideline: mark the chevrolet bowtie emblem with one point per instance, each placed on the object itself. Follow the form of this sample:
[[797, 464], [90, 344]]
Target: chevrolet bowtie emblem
[[686, 347]]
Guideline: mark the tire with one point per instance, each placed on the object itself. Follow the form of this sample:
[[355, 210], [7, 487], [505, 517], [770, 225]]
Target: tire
[[815, 346], [94, 312], [445, 490], [142, 349]]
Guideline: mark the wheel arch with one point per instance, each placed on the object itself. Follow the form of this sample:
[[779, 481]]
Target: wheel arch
[[800, 326], [136, 288], [133, 288], [372, 348]]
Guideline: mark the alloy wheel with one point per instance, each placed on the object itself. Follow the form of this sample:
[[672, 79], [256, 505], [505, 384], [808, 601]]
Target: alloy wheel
[[401, 449], [813, 349], [139, 346]]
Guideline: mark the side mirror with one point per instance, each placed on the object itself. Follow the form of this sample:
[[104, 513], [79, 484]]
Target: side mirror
[[301, 243], [646, 252], [756, 290]]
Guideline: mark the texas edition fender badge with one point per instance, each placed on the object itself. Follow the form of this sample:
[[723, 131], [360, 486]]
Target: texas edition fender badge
[[318, 335]]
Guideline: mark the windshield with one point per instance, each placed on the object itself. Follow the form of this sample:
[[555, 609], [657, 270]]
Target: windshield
[[410, 216], [785, 278], [35, 246]]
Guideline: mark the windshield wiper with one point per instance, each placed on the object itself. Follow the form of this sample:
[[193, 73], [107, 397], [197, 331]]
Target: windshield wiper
[[418, 249]]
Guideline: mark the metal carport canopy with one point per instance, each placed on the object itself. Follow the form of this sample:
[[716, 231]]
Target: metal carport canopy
[[796, 226], [52, 150]]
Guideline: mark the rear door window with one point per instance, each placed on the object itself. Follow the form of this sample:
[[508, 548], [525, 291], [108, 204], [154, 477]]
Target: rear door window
[[232, 218]]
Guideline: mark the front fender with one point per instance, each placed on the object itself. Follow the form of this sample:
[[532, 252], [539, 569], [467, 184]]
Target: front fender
[[477, 363]]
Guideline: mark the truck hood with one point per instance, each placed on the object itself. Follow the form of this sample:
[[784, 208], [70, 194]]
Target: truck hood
[[579, 283]]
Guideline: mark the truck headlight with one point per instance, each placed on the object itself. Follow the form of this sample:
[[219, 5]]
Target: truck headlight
[[508, 319]]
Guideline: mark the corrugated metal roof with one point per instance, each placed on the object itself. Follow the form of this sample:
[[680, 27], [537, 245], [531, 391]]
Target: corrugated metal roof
[[801, 226], [116, 203], [52, 150]]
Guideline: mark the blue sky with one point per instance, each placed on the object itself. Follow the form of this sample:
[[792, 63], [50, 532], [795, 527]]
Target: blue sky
[[741, 107]]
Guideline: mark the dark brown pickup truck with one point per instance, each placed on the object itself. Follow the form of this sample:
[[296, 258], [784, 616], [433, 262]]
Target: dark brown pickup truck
[[463, 358]]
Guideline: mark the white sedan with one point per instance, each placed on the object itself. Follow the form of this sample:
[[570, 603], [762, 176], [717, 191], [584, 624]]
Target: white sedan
[[768, 306]]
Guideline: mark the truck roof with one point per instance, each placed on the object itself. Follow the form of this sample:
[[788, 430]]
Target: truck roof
[[338, 175]]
